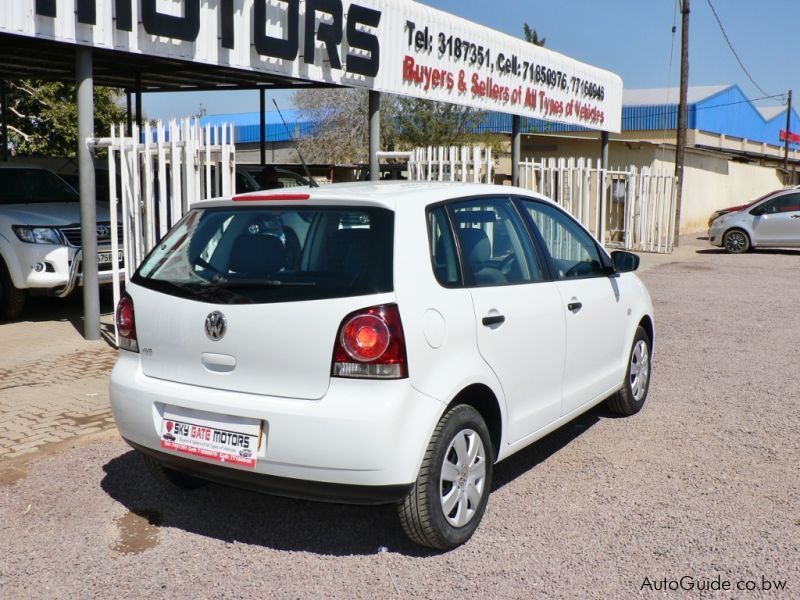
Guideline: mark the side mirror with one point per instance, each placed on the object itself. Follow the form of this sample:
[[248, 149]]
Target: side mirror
[[759, 210], [624, 262]]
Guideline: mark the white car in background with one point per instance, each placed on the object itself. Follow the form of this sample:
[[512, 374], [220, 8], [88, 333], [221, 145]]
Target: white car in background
[[374, 343], [40, 237], [771, 222]]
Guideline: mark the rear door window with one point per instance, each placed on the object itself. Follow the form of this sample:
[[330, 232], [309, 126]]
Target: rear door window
[[261, 255], [495, 247]]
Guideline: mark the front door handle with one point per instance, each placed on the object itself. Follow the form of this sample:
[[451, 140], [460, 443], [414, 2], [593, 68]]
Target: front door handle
[[493, 320], [575, 306], [795, 217]]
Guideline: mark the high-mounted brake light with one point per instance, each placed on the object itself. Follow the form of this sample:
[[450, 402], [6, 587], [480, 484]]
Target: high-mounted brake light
[[268, 197], [126, 325], [370, 345]]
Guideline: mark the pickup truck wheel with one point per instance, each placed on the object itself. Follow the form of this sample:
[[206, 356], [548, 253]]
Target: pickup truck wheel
[[446, 504], [11, 299]]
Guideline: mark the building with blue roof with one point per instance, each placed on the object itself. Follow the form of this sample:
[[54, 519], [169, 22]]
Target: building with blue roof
[[734, 150]]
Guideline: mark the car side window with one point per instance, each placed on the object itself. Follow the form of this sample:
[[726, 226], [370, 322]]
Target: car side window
[[495, 247], [444, 258], [787, 203], [573, 252]]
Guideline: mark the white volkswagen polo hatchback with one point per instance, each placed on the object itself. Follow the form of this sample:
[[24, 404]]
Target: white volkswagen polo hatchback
[[374, 343]]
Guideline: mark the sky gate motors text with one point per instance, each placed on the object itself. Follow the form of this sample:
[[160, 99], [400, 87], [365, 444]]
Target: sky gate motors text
[[332, 31]]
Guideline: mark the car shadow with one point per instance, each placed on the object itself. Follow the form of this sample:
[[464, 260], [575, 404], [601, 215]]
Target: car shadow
[[235, 515], [775, 251], [43, 308], [526, 459]]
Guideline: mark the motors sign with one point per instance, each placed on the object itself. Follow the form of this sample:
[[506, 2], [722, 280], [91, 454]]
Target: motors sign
[[394, 46]]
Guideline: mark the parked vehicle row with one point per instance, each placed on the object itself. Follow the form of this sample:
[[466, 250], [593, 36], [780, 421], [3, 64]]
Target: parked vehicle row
[[40, 237], [772, 221], [374, 343]]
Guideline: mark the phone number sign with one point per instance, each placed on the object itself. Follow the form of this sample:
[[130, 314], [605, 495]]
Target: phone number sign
[[464, 63]]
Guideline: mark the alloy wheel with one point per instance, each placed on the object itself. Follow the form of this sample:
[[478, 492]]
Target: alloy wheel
[[463, 477], [640, 370]]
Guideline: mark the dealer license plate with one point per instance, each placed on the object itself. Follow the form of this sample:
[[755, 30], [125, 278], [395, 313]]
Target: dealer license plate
[[104, 258], [222, 438]]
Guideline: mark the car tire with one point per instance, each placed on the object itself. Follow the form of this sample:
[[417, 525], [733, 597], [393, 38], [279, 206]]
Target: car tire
[[631, 398], [170, 478], [736, 241], [12, 300], [447, 502]]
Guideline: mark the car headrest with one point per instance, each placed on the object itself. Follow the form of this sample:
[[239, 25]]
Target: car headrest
[[257, 254], [475, 245]]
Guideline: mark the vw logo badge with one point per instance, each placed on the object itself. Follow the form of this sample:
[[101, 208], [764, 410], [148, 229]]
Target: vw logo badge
[[103, 231], [216, 325]]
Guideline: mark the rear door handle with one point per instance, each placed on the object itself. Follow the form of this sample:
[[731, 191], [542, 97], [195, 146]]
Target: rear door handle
[[574, 306], [493, 320]]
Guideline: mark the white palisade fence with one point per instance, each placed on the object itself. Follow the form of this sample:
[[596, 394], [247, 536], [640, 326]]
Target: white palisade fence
[[155, 174], [451, 163], [631, 208]]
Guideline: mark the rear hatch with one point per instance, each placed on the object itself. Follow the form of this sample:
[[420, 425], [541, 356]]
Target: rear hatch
[[250, 298]]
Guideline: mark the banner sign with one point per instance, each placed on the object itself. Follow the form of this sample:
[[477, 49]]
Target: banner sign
[[395, 46], [794, 138]]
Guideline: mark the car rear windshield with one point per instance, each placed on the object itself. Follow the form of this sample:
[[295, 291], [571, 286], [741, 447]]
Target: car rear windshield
[[33, 186], [263, 255]]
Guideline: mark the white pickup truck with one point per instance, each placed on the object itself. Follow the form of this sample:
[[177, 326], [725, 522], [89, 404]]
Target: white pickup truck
[[40, 237]]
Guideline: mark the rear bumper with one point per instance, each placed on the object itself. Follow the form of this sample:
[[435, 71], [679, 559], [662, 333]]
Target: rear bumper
[[280, 486], [361, 433]]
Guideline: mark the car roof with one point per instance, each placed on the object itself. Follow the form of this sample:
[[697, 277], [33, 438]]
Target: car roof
[[380, 193]]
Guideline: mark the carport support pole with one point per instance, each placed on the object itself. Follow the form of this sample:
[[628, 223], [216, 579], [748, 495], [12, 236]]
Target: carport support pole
[[516, 148], [139, 100], [601, 229], [4, 133], [262, 94], [91, 293], [130, 111], [374, 135]]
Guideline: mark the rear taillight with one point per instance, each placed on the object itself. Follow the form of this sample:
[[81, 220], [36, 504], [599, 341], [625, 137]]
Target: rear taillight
[[126, 325], [370, 344]]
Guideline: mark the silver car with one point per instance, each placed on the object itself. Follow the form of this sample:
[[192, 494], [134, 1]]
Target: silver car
[[773, 222]]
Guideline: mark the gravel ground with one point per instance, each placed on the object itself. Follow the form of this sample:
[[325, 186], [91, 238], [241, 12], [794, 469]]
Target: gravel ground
[[704, 483]]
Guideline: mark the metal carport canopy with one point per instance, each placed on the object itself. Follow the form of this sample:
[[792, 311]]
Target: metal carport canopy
[[394, 46]]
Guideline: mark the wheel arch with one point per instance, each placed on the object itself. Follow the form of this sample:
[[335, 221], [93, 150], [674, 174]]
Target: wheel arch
[[482, 398], [646, 323]]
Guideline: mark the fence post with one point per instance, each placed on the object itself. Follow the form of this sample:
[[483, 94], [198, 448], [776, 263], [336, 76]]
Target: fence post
[[163, 198], [112, 207]]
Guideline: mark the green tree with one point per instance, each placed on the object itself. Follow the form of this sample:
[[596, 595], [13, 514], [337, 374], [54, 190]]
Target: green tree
[[43, 116], [427, 123], [531, 36], [342, 130], [342, 127]]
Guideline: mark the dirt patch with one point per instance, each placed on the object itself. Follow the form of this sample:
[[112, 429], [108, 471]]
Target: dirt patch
[[15, 469]]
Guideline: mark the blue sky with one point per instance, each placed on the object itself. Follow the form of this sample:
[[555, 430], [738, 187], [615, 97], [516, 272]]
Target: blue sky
[[630, 37]]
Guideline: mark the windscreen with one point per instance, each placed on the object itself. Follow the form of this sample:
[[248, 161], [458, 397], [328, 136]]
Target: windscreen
[[262, 255], [34, 186]]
